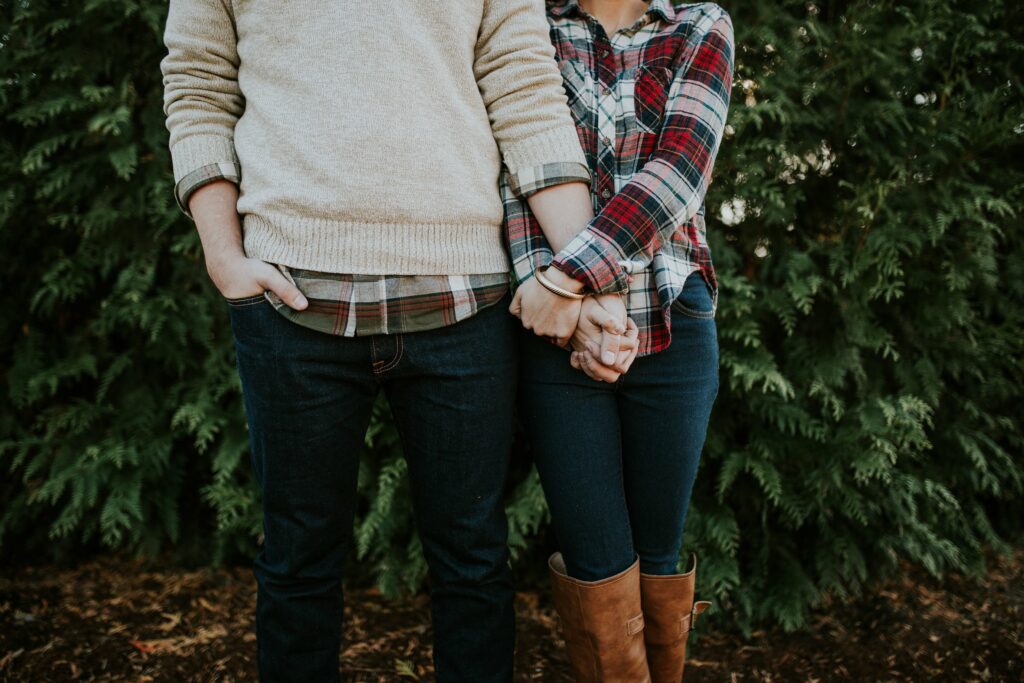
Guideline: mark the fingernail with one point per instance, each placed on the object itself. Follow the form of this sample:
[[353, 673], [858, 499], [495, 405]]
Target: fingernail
[[301, 301], [608, 357]]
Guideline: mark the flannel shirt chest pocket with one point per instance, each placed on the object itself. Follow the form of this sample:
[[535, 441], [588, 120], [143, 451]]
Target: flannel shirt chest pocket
[[644, 94]]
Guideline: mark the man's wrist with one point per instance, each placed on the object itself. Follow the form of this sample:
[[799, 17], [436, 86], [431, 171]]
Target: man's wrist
[[219, 258]]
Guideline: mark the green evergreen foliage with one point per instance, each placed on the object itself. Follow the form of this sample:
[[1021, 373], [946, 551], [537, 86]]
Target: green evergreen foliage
[[865, 224]]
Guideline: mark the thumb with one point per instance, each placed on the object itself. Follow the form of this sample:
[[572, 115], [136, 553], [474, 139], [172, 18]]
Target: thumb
[[276, 282], [610, 344], [516, 307], [602, 318], [610, 336]]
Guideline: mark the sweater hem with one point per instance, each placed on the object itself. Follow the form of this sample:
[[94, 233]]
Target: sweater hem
[[363, 248]]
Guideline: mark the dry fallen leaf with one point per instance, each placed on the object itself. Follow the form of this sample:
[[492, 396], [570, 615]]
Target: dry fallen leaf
[[172, 621]]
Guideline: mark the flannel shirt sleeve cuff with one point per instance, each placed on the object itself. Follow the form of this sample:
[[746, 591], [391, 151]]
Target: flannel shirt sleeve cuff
[[530, 179], [523, 267], [201, 159], [595, 261], [183, 189]]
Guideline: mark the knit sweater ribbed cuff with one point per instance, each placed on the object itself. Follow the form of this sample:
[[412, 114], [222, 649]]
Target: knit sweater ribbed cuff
[[560, 144]]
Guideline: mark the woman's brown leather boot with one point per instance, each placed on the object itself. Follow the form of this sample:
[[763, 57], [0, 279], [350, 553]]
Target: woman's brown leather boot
[[669, 614], [602, 623]]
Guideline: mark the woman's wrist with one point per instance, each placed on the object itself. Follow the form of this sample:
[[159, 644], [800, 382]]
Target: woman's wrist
[[544, 282], [561, 280]]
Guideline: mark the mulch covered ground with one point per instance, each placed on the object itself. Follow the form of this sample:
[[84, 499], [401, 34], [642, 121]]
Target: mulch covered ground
[[111, 620]]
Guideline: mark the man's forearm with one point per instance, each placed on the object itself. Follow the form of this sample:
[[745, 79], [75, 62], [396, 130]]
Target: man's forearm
[[562, 211], [214, 209]]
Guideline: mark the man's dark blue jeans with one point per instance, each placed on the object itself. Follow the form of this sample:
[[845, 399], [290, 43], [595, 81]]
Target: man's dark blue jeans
[[308, 397], [618, 461]]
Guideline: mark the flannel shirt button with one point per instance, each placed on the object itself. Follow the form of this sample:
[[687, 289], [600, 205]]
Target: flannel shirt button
[[607, 141], [605, 90], [604, 54], [606, 193]]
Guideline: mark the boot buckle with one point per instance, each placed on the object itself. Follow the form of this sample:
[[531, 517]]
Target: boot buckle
[[690, 620], [698, 607]]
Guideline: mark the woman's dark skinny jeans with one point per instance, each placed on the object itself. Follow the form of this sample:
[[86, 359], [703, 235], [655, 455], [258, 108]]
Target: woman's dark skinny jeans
[[618, 461]]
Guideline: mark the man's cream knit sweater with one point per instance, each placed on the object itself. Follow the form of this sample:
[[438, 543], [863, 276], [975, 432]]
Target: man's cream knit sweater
[[368, 136]]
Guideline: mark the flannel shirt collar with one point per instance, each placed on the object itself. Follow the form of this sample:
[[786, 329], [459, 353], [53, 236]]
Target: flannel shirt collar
[[662, 8]]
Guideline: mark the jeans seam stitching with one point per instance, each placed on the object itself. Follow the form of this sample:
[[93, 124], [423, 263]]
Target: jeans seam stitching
[[393, 363], [686, 310]]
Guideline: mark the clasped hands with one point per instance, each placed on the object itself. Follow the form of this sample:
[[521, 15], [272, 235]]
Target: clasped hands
[[602, 337]]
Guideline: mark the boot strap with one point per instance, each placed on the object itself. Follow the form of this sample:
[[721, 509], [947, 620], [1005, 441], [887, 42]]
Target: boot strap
[[690, 620], [635, 625]]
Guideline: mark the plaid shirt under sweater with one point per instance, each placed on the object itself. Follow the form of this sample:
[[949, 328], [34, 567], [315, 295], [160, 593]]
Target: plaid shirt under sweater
[[360, 305], [650, 105]]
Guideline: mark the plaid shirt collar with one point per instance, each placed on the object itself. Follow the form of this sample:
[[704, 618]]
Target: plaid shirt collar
[[662, 8]]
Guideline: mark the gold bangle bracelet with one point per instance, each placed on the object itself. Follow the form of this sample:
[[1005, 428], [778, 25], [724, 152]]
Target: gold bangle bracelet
[[553, 288]]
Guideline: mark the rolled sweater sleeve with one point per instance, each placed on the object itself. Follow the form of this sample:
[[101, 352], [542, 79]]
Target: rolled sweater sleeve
[[522, 89], [202, 99], [670, 188]]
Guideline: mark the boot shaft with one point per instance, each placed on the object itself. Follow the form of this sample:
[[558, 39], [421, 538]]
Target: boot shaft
[[669, 614], [602, 623]]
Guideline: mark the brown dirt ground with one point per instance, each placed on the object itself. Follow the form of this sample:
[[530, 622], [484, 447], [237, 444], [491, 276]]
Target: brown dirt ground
[[113, 620]]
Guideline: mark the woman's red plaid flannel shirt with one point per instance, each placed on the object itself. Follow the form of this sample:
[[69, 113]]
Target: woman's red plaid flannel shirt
[[650, 105]]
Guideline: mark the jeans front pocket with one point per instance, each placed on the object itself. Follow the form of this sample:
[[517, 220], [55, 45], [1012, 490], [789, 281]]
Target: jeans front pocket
[[246, 300], [695, 300]]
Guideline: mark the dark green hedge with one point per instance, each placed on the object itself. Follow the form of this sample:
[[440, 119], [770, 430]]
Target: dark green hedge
[[865, 223]]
